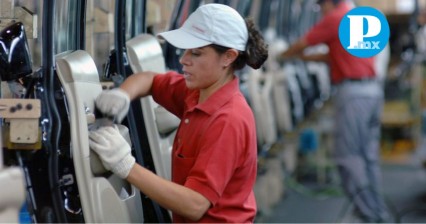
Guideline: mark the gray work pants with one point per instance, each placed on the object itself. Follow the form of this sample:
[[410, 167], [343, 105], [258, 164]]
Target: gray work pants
[[358, 106]]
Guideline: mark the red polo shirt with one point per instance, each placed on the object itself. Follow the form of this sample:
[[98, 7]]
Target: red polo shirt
[[342, 64], [215, 149]]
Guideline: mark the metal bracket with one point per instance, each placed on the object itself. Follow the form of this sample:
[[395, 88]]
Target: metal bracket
[[107, 85], [23, 118]]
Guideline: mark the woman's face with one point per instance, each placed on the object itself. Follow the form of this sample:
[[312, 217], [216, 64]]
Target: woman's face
[[203, 67]]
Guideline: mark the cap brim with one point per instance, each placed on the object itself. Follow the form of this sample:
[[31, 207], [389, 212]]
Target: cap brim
[[183, 40]]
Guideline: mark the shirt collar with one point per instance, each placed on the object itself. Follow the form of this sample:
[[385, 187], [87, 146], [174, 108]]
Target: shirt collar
[[216, 100]]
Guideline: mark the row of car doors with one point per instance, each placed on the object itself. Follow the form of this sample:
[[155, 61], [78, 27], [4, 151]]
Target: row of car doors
[[72, 50]]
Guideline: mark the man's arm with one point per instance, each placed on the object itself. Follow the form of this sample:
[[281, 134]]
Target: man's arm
[[295, 49], [315, 57]]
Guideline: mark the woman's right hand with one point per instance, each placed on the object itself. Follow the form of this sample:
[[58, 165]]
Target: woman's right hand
[[114, 103]]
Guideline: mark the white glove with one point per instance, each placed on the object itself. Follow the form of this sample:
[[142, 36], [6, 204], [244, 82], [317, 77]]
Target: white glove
[[113, 150], [115, 102]]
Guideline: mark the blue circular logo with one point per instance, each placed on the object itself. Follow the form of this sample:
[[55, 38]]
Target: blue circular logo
[[364, 32]]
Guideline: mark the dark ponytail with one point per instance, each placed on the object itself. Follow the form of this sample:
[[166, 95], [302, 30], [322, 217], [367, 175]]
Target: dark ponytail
[[256, 51]]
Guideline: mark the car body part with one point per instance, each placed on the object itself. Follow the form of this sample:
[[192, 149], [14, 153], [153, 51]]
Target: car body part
[[145, 54], [104, 198]]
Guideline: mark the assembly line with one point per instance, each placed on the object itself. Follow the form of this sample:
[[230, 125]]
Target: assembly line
[[157, 111]]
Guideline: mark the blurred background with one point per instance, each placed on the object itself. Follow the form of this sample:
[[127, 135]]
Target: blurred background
[[297, 179]]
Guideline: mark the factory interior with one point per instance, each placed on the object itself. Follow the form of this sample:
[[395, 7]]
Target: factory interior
[[55, 177]]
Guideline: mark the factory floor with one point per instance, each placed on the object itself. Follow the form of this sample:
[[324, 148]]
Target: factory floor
[[313, 194]]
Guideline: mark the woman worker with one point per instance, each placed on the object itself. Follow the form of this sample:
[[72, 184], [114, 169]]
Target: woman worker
[[214, 156]]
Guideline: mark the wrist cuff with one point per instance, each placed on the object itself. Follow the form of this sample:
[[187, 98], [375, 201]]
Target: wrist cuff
[[122, 168]]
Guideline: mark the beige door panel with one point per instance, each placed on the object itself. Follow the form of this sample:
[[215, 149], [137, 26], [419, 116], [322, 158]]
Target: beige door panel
[[260, 90], [12, 193], [104, 197], [145, 54]]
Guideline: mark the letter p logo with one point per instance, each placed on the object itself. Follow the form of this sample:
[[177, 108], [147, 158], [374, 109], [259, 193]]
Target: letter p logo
[[356, 31], [364, 31]]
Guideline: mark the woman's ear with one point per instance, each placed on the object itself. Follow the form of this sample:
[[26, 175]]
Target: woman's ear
[[229, 56]]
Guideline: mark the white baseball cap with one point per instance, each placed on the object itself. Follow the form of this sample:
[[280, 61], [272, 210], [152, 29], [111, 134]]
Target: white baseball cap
[[210, 24]]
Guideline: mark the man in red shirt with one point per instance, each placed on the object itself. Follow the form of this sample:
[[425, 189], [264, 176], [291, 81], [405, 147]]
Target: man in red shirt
[[214, 156], [358, 104]]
